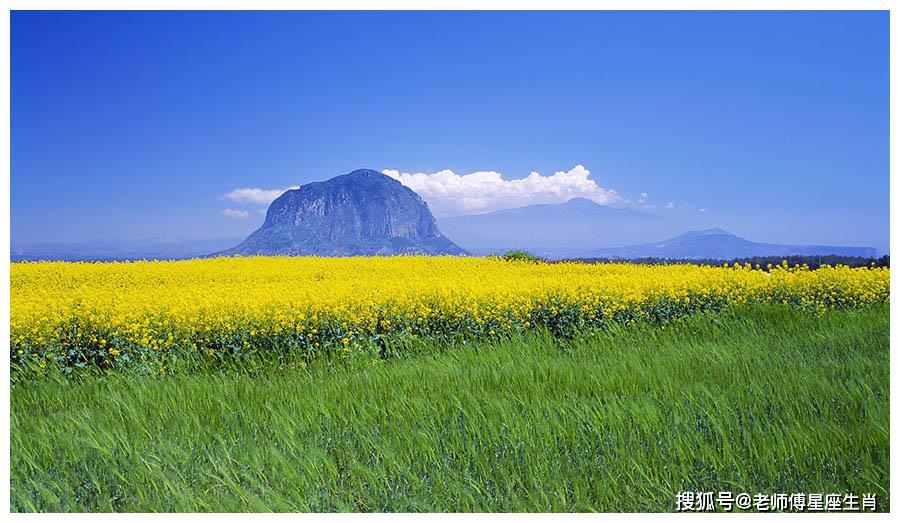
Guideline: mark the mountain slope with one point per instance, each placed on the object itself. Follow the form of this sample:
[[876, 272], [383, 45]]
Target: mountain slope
[[722, 245], [119, 249], [363, 213], [578, 224]]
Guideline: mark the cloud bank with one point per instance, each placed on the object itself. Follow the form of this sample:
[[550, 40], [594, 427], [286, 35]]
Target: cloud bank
[[451, 194], [252, 196], [235, 213], [255, 195]]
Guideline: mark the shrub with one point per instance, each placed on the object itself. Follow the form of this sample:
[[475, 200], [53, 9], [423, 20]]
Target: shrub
[[520, 255]]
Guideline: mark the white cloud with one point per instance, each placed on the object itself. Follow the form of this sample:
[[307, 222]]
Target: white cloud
[[255, 195], [235, 213], [643, 198], [702, 209], [670, 205], [450, 194]]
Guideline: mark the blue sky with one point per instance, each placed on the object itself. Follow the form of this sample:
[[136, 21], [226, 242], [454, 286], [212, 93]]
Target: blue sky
[[137, 125]]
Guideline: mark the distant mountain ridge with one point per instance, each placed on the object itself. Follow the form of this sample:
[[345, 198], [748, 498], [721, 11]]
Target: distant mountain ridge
[[579, 223], [119, 249], [582, 228], [721, 245], [363, 213]]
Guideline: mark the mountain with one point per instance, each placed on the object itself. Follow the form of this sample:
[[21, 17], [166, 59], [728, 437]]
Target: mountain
[[722, 245], [573, 228], [119, 249], [363, 213], [582, 228]]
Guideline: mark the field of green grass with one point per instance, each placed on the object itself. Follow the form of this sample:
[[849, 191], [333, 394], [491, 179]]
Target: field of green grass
[[755, 399]]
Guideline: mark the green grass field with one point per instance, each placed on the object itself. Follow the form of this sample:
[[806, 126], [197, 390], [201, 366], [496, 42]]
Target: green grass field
[[759, 399]]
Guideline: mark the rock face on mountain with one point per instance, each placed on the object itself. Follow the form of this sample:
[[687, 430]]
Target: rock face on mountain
[[364, 213]]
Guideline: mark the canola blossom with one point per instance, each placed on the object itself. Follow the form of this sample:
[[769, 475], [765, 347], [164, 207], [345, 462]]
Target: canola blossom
[[116, 314]]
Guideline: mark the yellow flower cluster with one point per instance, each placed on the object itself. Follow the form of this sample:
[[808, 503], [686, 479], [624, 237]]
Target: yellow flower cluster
[[105, 311]]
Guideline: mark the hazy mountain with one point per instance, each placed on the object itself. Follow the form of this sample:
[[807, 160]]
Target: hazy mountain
[[722, 245], [571, 228], [363, 213], [119, 250]]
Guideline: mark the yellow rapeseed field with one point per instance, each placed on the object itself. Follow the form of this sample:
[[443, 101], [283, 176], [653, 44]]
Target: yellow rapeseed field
[[106, 313]]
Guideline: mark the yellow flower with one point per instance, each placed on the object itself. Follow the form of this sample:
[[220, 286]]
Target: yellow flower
[[167, 305]]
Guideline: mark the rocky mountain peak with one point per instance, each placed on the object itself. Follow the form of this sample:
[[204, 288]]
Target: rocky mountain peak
[[362, 213]]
